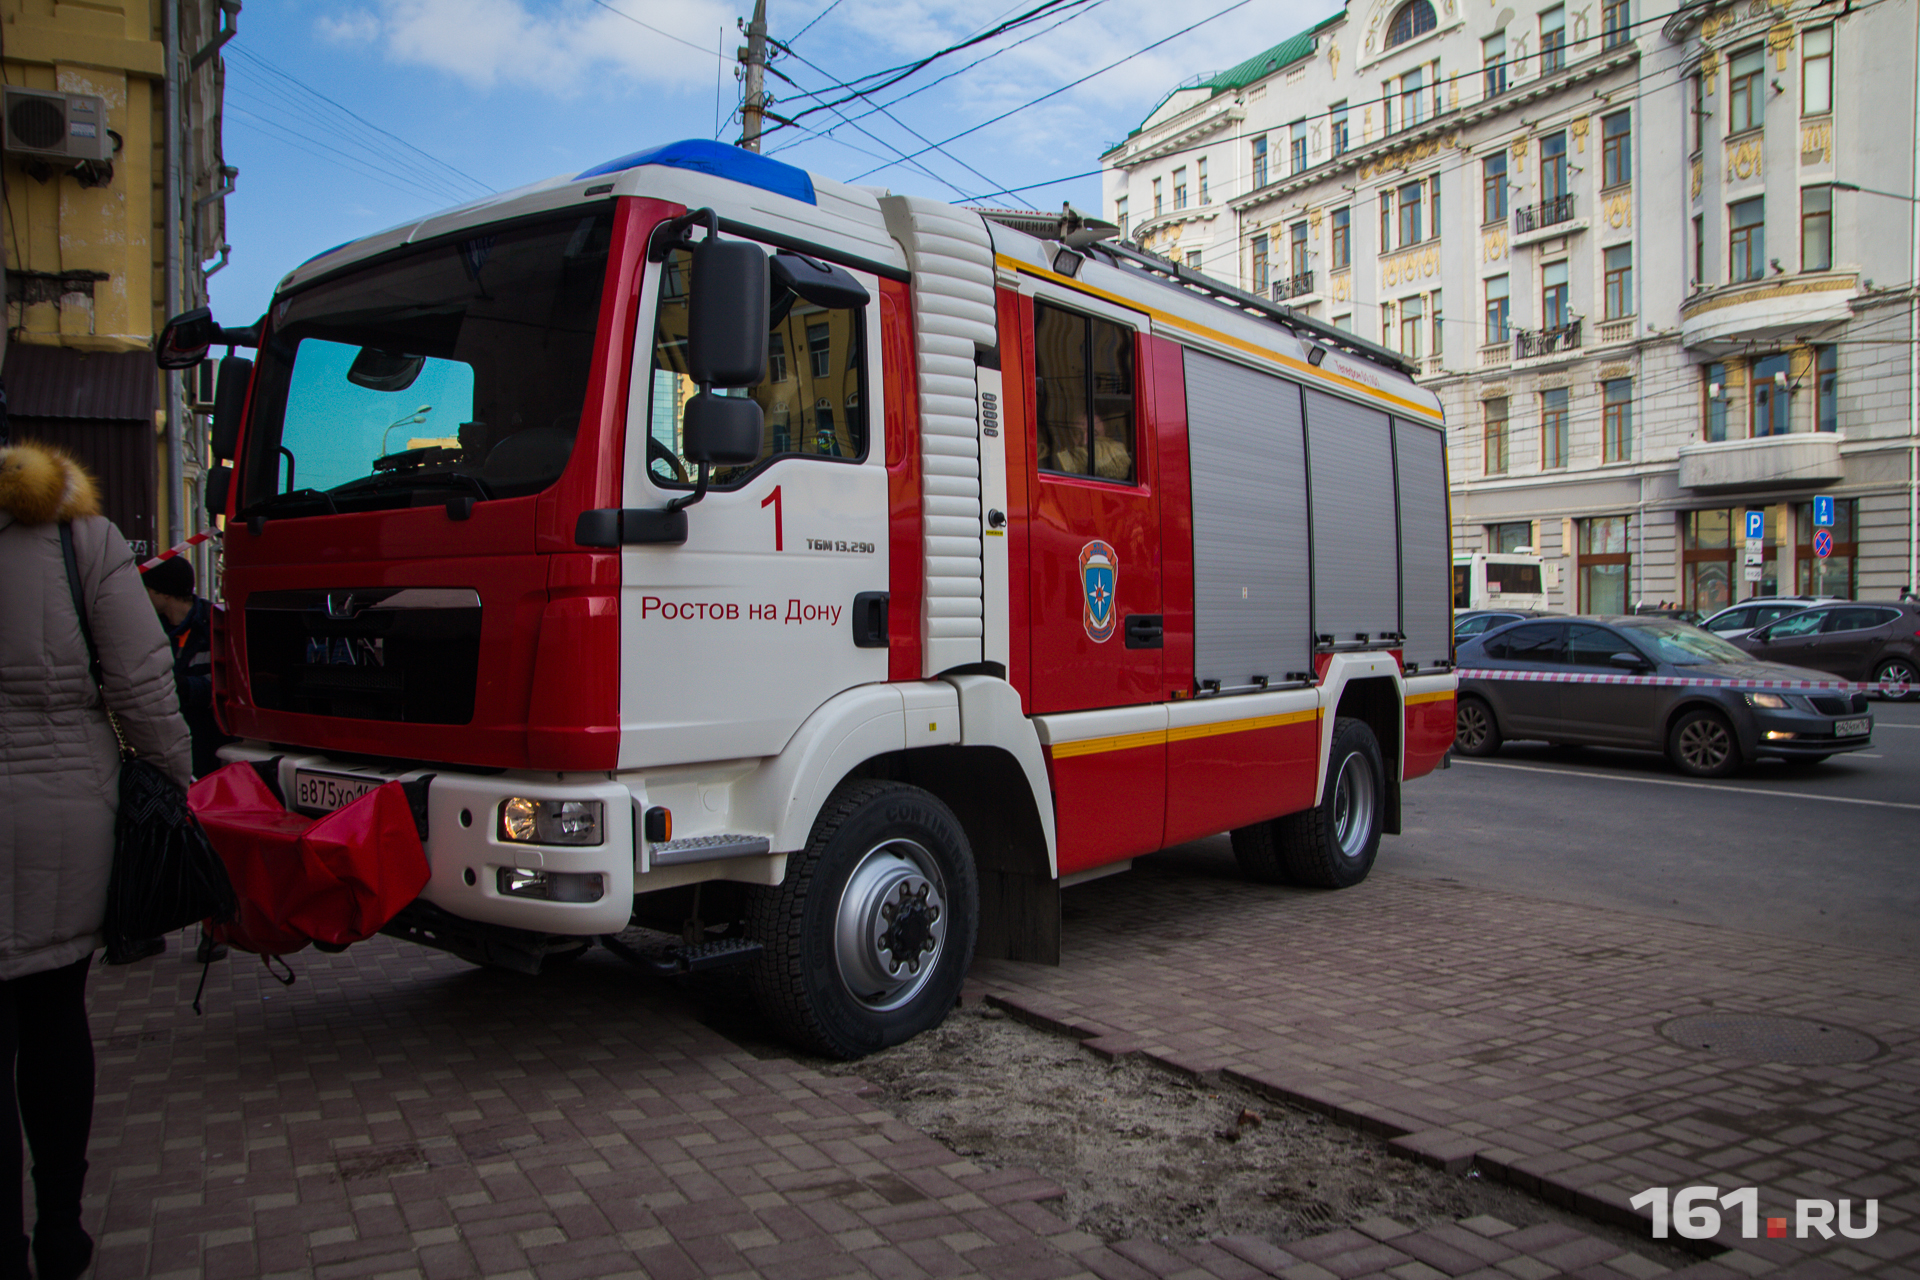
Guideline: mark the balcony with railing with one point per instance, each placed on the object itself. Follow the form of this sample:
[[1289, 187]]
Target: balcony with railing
[[1556, 216], [1534, 344], [1298, 285]]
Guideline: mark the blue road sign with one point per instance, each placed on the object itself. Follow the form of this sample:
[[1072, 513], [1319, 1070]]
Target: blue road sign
[[1822, 512], [1757, 524], [1823, 543]]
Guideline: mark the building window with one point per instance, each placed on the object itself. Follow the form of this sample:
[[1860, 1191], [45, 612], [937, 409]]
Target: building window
[[1261, 280], [1411, 106], [1260, 162], [1415, 18], [1297, 149], [1083, 372], [1699, 248], [1553, 427], [1158, 208], [1344, 323], [1745, 84], [1553, 39], [1614, 23], [1699, 113], [1616, 149], [1412, 314], [820, 349], [1120, 216], [1713, 380], [1604, 564], [1497, 300], [1493, 58], [1816, 228], [1337, 128], [1747, 240], [1493, 188], [1827, 362], [1297, 248], [1816, 71], [1616, 425], [1386, 325], [1496, 434], [1341, 222], [1180, 188], [1410, 214], [1772, 415], [1386, 106], [1707, 556], [1838, 574], [1553, 295], [1200, 176], [776, 357], [1619, 281], [1436, 345], [1433, 206], [1193, 259], [1510, 536], [1553, 171], [1386, 221]]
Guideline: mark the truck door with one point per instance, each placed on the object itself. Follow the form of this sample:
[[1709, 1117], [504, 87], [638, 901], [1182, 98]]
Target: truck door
[[1094, 518]]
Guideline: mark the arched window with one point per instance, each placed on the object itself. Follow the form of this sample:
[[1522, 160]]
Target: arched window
[[1414, 18]]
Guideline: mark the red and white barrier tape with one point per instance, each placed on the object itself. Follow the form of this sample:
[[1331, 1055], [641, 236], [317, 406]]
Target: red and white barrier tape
[[181, 548], [1768, 685]]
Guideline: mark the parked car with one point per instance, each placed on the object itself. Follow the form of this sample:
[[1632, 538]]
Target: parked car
[[1736, 620], [1472, 622], [1705, 731], [1855, 640]]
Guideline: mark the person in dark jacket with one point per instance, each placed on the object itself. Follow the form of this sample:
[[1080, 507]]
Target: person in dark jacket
[[59, 787], [189, 623]]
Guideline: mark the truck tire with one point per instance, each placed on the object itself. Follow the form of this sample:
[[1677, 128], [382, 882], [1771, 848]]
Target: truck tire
[[870, 933], [1257, 850], [1475, 731], [1333, 844]]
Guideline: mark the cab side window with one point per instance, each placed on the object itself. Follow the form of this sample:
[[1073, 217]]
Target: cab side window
[[1083, 389], [1595, 646], [1535, 642]]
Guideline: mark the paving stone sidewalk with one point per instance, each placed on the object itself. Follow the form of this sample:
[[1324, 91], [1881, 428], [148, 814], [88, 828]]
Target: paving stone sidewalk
[[396, 1113], [1521, 1036]]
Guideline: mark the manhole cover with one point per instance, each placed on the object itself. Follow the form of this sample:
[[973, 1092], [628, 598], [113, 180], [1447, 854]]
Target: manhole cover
[[1765, 1038]]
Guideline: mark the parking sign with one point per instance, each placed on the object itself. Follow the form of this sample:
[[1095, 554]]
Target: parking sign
[[1757, 522], [1822, 512]]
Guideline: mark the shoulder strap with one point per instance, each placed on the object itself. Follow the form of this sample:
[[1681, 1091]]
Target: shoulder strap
[[79, 601]]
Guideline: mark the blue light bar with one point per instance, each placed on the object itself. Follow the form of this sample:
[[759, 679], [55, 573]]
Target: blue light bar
[[722, 161]]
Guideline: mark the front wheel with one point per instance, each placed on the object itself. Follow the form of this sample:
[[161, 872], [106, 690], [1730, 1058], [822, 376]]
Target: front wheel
[[871, 932], [1333, 844], [1702, 745], [1896, 678], [1475, 731]]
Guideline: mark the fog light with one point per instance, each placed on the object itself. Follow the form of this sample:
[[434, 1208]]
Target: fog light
[[527, 821], [551, 886], [1780, 735]]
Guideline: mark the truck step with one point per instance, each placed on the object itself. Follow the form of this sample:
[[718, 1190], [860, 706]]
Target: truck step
[[675, 960], [673, 853]]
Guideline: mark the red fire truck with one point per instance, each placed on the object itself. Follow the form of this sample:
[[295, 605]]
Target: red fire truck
[[821, 576]]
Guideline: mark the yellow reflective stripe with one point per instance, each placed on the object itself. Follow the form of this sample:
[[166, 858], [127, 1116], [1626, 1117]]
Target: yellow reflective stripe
[[1414, 698], [1120, 742], [1185, 732], [1181, 322]]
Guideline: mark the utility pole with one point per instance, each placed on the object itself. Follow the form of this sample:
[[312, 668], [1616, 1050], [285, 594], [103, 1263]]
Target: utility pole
[[753, 56]]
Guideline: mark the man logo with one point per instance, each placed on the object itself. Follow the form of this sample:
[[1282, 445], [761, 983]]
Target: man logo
[[1099, 580]]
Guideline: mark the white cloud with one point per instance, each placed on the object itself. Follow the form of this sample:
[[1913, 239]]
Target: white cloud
[[354, 27]]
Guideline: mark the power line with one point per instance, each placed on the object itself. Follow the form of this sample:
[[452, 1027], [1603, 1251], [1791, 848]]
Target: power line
[[721, 55], [810, 21]]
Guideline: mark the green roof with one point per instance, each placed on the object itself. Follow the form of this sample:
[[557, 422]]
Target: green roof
[[1258, 67]]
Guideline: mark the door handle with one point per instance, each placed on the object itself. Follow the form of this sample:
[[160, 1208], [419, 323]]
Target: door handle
[[1145, 630], [869, 619]]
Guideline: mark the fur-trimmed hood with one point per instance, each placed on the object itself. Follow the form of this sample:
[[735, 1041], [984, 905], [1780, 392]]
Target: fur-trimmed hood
[[40, 484]]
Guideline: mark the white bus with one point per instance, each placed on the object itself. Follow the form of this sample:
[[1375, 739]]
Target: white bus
[[1499, 579]]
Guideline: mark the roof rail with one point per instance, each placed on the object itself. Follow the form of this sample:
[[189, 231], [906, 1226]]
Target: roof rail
[[1326, 335]]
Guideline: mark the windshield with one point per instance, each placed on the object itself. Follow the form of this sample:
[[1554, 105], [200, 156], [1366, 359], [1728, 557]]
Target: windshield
[[1506, 578], [460, 367], [1683, 644]]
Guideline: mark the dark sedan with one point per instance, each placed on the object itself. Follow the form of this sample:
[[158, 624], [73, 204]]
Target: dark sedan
[[1877, 642], [1705, 731], [1472, 622]]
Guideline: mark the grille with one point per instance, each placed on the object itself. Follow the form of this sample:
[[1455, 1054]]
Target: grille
[[397, 654], [1840, 706]]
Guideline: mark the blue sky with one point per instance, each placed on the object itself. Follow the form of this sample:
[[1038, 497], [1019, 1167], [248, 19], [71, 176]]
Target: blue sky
[[348, 118]]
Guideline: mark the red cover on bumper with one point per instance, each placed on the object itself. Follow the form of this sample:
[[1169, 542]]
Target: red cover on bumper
[[335, 879]]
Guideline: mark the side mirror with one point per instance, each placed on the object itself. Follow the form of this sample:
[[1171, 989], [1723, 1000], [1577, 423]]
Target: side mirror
[[229, 402], [219, 481], [378, 370], [821, 283], [184, 342], [727, 319], [722, 430], [1630, 661]]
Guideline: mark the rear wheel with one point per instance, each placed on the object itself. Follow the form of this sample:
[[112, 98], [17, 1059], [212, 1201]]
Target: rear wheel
[[1702, 745], [1475, 732], [1257, 850], [870, 933], [1896, 678], [1333, 844]]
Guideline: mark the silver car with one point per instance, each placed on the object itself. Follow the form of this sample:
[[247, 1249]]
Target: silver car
[[1735, 621]]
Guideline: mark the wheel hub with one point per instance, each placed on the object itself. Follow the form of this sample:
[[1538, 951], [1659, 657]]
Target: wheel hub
[[890, 927], [1353, 806]]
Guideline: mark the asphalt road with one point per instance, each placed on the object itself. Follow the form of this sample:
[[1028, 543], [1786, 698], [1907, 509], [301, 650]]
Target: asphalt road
[[1826, 853]]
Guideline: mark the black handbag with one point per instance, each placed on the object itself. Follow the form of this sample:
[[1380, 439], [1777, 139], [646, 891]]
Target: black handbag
[[165, 875]]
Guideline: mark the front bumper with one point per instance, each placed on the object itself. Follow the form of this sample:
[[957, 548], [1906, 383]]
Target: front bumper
[[1793, 734]]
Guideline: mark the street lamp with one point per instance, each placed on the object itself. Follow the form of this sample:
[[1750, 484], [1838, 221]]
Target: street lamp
[[417, 416]]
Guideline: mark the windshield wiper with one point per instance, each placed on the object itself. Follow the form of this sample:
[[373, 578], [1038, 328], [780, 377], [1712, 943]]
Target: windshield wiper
[[293, 497], [413, 480]]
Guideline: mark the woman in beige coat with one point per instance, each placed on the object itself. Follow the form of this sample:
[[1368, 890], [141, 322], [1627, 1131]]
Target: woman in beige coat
[[59, 786]]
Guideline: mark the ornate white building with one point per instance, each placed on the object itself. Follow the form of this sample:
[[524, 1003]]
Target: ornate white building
[[1659, 263]]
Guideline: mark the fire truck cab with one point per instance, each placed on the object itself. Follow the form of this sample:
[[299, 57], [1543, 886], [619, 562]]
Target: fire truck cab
[[822, 577]]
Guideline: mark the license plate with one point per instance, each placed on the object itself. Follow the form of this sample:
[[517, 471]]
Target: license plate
[[325, 792], [1851, 728]]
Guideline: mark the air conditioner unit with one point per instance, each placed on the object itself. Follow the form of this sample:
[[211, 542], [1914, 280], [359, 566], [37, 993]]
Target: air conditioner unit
[[64, 126]]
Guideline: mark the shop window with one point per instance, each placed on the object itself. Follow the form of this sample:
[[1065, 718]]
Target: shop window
[[1839, 576], [1605, 563]]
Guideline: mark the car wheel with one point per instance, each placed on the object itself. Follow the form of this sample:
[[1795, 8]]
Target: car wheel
[[1702, 745], [1896, 678], [869, 934], [1333, 844], [1475, 732]]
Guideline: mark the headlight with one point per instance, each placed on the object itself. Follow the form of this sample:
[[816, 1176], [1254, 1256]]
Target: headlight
[[525, 821], [1771, 701]]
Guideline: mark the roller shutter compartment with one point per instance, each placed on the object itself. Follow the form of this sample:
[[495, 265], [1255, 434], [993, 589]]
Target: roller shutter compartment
[[1425, 558], [1356, 561]]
